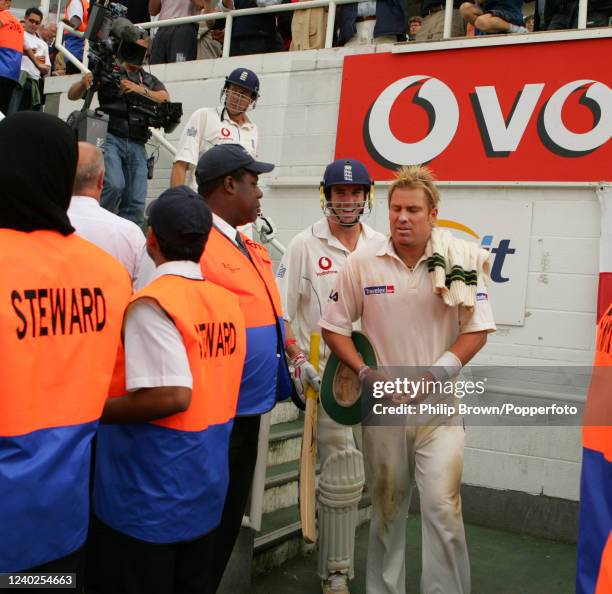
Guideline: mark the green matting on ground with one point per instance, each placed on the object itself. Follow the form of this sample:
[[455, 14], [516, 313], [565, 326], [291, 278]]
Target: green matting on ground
[[502, 563]]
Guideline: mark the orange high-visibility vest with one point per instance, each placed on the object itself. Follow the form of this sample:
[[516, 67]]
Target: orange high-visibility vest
[[61, 306], [169, 482], [11, 45], [594, 554], [265, 377], [85, 6]]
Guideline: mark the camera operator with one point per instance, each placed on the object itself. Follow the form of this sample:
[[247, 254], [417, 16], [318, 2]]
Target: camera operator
[[125, 158]]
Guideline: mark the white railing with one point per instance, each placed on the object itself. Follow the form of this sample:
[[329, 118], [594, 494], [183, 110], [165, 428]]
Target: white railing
[[229, 16]]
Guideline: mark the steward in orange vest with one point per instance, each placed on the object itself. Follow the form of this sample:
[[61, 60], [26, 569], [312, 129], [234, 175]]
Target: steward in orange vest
[[61, 306], [227, 179], [75, 45], [594, 562], [162, 455], [11, 50]]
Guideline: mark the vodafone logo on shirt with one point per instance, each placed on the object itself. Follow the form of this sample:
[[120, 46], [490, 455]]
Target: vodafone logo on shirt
[[324, 265], [551, 121], [225, 132]]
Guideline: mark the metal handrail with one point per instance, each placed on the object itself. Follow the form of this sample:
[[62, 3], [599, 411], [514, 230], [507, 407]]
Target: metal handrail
[[230, 14]]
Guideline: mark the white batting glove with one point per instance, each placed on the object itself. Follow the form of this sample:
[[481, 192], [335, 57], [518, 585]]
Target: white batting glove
[[303, 375]]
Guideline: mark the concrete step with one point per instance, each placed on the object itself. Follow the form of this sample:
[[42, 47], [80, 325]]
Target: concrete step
[[285, 412], [282, 485], [285, 442]]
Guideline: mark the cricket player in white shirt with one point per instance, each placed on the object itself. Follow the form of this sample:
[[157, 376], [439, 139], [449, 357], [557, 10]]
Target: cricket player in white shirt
[[306, 277], [390, 288], [209, 126]]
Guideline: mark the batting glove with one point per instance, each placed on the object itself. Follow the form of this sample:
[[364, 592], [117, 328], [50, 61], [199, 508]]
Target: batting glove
[[304, 374]]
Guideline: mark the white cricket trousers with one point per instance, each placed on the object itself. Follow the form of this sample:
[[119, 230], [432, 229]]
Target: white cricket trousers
[[433, 456]]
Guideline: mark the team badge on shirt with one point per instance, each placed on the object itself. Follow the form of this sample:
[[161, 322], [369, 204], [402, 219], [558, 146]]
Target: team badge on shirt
[[482, 296], [280, 273], [379, 290], [192, 132]]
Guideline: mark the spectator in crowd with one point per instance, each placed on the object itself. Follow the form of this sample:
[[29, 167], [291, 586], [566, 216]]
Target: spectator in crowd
[[495, 16], [75, 15], [308, 29], [255, 34], [529, 23], [48, 33], [35, 63], [371, 22], [210, 37], [552, 15], [432, 28], [119, 237], [125, 157], [414, 26], [11, 49], [177, 43], [209, 126]]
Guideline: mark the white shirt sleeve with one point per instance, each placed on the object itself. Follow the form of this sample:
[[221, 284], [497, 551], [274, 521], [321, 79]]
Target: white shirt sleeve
[[188, 149], [344, 304], [137, 247], [28, 43], [75, 8], [155, 354], [288, 280], [481, 318]]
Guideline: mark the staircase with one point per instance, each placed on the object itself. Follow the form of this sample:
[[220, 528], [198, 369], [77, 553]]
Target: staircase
[[280, 538]]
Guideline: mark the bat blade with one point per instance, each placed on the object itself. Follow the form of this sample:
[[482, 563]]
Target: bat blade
[[308, 459]]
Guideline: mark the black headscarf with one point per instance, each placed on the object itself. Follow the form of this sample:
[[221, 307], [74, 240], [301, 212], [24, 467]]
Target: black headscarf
[[38, 159]]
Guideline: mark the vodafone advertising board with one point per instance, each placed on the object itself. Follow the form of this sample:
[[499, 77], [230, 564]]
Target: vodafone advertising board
[[532, 112]]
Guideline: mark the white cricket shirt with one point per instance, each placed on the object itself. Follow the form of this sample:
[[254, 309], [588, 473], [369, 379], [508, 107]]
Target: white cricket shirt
[[307, 274], [406, 322], [121, 238], [155, 354], [207, 128]]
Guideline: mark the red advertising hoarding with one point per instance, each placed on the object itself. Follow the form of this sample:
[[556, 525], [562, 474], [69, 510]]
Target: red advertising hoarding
[[528, 112]]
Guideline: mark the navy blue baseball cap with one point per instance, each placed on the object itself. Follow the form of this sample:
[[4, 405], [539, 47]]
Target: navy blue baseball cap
[[243, 77], [179, 216], [223, 159], [345, 172]]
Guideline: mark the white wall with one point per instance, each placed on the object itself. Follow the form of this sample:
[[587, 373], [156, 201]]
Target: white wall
[[297, 116]]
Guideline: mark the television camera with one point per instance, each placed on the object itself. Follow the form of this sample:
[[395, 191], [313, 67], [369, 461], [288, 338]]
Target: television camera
[[113, 40]]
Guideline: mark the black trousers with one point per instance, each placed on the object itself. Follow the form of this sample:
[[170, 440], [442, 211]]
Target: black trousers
[[242, 459], [73, 563], [7, 85], [169, 42], [245, 46], [126, 565]]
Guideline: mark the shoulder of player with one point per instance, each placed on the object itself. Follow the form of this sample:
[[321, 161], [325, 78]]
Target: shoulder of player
[[301, 239]]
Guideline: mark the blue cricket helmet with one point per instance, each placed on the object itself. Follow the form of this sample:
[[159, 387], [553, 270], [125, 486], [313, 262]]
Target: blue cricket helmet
[[345, 172], [245, 78]]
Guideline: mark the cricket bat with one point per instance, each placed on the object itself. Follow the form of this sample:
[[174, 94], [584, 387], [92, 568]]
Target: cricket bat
[[308, 460]]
